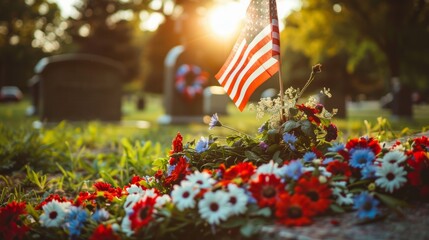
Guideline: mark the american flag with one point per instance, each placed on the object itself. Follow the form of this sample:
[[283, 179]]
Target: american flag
[[254, 58]]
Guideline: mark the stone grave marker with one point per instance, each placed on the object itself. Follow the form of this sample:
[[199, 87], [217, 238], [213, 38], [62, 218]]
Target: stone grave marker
[[184, 82], [79, 87], [215, 100]]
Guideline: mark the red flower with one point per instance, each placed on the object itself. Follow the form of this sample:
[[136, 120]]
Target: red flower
[[317, 192], [240, 172], [294, 210], [177, 144], [142, 213], [310, 112], [266, 189], [419, 175], [104, 232], [11, 226], [50, 198], [84, 198], [331, 132], [339, 168], [108, 191], [421, 144], [363, 142], [179, 173]]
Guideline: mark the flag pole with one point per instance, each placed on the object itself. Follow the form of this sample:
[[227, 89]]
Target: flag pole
[[282, 110]]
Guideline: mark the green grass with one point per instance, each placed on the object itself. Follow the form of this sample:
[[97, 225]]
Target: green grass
[[13, 116]]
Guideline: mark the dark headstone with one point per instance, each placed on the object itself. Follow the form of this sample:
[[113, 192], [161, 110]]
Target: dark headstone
[[80, 87]]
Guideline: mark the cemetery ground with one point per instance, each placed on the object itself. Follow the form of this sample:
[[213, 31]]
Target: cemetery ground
[[86, 152]]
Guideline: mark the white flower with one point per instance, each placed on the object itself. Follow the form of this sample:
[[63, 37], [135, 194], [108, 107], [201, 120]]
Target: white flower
[[390, 177], [183, 195], [342, 194], [131, 200], [214, 207], [134, 189], [162, 200], [393, 157], [201, 179], [271, 168], [237, 199], [126, 226], [54, 213], [150, 193]]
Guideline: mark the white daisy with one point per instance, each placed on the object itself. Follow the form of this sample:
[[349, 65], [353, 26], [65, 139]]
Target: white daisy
[[54, 213], [131, 200], [126, 226], [134, 189], [183, 196], [342, 194], [162, 200], [390, 177], [271, 168], [393, 157], [201, 179], [214, 207], [150, 193], [237, 199]]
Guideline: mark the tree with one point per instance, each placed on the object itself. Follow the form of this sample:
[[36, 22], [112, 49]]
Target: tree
[[389, 34], [29, 30], [108, 28]]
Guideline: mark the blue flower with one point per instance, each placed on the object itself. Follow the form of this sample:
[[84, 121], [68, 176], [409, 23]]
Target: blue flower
[[75, 220], [294, 170], [262, 128], [361, 157], [309, 156], [326, 161], [289, 138], [100, 215], [202, 145], [336, 147], [366, 205], [170, 169], [214, 121], [368, 171]]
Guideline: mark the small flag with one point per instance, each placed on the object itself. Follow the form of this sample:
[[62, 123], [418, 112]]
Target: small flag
[[254, 57]]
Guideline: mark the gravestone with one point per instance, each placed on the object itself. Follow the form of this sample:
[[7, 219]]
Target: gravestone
[[184, 81], [215, 100], [79, 87]]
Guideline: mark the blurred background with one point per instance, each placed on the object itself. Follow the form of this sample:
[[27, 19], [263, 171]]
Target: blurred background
[[374, 50]]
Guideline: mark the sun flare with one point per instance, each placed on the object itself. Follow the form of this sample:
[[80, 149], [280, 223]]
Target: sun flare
[[224, 19]]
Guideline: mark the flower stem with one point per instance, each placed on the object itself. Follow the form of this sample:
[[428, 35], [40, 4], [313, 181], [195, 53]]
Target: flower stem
[[235, 130]]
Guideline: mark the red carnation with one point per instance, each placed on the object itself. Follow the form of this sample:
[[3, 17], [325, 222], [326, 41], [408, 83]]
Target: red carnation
[[104, 232], [418, 176], [339, 168], [50, 198], [294, 210], [177, 144], [242, 171], [266, 189], [310, 112], [11, 226], [363, 142], [331, 132], [317, 192], [179, 173], [421, 144]]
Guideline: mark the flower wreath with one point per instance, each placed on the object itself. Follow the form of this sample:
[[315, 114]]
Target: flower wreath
[[190, 91]]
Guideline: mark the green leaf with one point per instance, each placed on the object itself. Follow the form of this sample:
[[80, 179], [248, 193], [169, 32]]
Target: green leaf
[[307, 128], [264, 212], [248, 229], [337, 209], [390, 201], [252, 156], [277, 158], [289, 125]]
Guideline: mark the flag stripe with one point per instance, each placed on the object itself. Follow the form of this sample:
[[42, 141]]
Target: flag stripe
[[254, 58]]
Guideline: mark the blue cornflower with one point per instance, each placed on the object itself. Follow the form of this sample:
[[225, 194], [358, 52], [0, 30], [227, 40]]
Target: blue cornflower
[[202, 145], [366, 205], [100, 215], [262, 128], [326, 161], [309, 156], [170, 169], [214, 122], [294, 170], [289, 138], [368, 171], [75, 220], [361, 157], [336, 147]]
